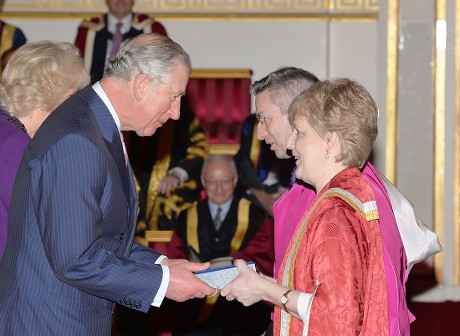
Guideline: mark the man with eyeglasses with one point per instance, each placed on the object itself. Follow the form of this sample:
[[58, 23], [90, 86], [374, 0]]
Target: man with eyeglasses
[[221, 228], [262, 177]]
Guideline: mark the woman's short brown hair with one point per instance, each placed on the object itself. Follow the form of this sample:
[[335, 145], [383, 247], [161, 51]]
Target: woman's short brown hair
[[345, 107]]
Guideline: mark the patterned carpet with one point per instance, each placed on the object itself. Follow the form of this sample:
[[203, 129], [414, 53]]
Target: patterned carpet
[[432, 319]]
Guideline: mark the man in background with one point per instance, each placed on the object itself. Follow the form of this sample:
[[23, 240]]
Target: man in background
[[100, 37], [11, 37], [221, 228]]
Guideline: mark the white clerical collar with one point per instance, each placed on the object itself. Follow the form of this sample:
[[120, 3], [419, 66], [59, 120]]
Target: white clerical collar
[[112, 21], [101, 93]]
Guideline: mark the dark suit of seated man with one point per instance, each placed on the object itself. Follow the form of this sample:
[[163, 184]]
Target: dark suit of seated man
[[243, 231]]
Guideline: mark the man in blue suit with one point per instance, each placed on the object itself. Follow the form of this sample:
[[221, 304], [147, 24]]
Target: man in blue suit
[[70, 254]]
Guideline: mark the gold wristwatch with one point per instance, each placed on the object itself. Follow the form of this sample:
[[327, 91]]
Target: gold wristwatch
[[284, 299]]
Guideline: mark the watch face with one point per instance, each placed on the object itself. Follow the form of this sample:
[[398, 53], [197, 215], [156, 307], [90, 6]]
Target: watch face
[[283, 299]]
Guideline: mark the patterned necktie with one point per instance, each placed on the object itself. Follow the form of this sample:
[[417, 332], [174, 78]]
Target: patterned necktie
[[116, 40], [217, 219], [125, 152]]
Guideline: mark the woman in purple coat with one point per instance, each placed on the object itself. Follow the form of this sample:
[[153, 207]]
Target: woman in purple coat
[[37, 79]]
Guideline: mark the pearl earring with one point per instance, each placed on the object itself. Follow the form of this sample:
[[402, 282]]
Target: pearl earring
[[328, 151]]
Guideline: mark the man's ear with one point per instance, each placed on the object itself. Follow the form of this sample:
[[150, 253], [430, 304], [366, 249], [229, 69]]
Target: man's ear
[[141, 86]]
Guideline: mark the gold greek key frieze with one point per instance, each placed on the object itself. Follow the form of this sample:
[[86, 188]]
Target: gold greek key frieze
[[368, 5], [203, 6]]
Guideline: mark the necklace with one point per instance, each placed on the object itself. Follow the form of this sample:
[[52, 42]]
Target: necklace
[[12, 119]]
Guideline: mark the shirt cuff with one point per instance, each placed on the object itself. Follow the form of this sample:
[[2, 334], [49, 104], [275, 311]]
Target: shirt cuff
[[180, 173], [160, 258], [304, 304], [161, 293]]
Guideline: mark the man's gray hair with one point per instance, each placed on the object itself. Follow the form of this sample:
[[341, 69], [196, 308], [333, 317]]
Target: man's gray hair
[[151, 54], [284, 85], [226, 158]]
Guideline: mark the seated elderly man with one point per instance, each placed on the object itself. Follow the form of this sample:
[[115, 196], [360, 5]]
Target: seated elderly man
[[223, 225]]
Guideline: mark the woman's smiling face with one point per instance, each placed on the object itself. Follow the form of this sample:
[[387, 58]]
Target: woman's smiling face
[[308, 149]]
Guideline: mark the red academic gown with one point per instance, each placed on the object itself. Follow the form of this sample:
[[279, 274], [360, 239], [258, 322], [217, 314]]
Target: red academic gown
[[342, 249]]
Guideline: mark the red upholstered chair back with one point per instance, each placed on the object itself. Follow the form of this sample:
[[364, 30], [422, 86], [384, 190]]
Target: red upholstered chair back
[[221, 100]]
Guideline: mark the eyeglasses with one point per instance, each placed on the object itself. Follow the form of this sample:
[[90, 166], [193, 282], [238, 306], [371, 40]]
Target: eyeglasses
[[263, 118], [214, 183]]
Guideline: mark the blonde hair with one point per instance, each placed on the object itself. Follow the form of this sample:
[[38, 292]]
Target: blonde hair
[[40, 75], [345, 107]]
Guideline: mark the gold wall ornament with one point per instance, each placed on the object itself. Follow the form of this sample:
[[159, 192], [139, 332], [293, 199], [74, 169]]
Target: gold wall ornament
[[204, 6], [456, 200], [391, 138], [439, 133]]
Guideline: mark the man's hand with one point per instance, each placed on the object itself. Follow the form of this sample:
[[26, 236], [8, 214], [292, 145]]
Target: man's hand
[[168, 184], [183, 284]]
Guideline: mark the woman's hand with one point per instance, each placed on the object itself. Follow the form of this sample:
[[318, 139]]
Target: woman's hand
[[248, 288]]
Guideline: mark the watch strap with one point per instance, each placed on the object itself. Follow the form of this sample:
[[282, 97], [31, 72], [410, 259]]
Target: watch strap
[[284, 299]]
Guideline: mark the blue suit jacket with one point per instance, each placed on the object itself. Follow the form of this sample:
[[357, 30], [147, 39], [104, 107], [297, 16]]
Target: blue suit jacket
[[70, 254]]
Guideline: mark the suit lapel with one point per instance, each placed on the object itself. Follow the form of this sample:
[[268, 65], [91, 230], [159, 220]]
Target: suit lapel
[[110, 134]]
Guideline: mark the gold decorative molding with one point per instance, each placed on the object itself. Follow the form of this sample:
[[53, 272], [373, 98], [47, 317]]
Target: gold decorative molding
[[221, 73], [439, 133], [391, 138], [158, 236], [205, 17], [456, 200], [202, 6], [223, 149]]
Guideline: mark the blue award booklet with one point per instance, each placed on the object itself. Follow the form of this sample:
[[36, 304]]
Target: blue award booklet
[[219, 277]]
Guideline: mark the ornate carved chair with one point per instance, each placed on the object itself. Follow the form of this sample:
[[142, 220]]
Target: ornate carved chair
[[221, 100]]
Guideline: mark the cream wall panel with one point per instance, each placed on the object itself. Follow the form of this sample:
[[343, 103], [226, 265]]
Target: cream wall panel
[[56, 30], [353, 52], [261, 46], [415, 155]]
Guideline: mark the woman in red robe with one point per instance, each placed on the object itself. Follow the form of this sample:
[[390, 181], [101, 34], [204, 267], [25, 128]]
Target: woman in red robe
[[332, 278]]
